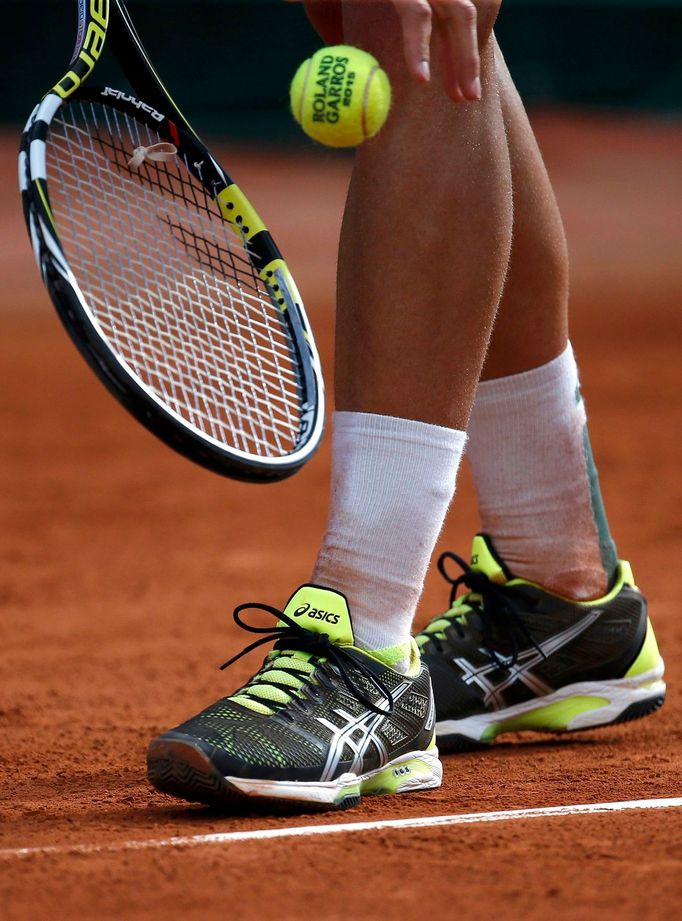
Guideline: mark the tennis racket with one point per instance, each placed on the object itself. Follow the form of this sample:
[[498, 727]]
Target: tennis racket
[[162, 272]]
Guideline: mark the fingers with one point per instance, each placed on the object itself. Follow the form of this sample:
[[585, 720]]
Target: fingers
[[415, 19], [457, 25], [461, 62], [460, 48]]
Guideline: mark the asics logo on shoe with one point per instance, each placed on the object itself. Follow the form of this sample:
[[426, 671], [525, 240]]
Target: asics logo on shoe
[[521, 669], [316, 614], [357, 733]]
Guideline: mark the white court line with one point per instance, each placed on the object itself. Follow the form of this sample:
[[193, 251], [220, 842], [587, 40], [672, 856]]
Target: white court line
[[260, 834]]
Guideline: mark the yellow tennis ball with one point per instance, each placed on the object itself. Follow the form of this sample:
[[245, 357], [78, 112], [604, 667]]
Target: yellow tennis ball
[[340, 96]]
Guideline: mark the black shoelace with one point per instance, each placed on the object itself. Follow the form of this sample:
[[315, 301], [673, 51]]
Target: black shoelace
[[292, 637], [496, 608]]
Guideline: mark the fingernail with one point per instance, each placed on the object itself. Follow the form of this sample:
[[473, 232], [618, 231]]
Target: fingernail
[[424, 71], [476, 87]]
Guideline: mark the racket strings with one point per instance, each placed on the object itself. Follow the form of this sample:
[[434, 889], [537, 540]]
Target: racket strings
[[170, 286], [169, 182]]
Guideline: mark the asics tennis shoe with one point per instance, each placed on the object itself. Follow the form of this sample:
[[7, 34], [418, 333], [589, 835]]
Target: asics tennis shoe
[[322, 722], [509, 655]]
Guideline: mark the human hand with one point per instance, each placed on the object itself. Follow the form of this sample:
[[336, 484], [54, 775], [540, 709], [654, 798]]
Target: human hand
[[456, 21], [463, 27]]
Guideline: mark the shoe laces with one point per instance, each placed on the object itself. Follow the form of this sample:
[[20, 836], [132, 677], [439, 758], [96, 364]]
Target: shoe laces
[[301, 661], [495, 609]]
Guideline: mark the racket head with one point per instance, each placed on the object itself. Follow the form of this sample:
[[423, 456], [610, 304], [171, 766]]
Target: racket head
[[170, 285]]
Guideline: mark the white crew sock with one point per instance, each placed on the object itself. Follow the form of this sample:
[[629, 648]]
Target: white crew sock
[[537, 487], [392, 482]]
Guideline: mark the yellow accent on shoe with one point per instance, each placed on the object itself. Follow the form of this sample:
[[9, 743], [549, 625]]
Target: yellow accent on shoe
[[403, 657], [394, 777], [264, 688], [321, 610], [649, 656], [554, 717], [482, 560], [418, 770]]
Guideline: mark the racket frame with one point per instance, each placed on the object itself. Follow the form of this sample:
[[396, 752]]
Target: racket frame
[[97, 19]]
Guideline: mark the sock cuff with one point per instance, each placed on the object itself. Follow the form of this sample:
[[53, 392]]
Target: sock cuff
[[560, 372], [408, 431], [392, 482]]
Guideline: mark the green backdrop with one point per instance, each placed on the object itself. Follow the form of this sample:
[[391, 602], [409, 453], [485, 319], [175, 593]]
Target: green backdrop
[[229, 62]]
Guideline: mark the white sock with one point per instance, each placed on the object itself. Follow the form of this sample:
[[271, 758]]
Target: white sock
[[392, 482], [538, 492]]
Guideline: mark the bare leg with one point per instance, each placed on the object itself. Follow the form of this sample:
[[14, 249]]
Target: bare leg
[[531, 326], [537, 485], [425, 242], [424, 251]]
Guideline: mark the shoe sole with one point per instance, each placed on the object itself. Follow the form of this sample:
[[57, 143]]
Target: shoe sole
[[574, 708], [181, 768]]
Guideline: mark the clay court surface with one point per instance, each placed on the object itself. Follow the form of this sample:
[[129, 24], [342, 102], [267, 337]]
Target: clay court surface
[[121, 563]]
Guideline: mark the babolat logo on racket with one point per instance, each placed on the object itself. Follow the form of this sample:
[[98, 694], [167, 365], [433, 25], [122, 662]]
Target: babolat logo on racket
[[89, 45], [124, 97], [316, 614]]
